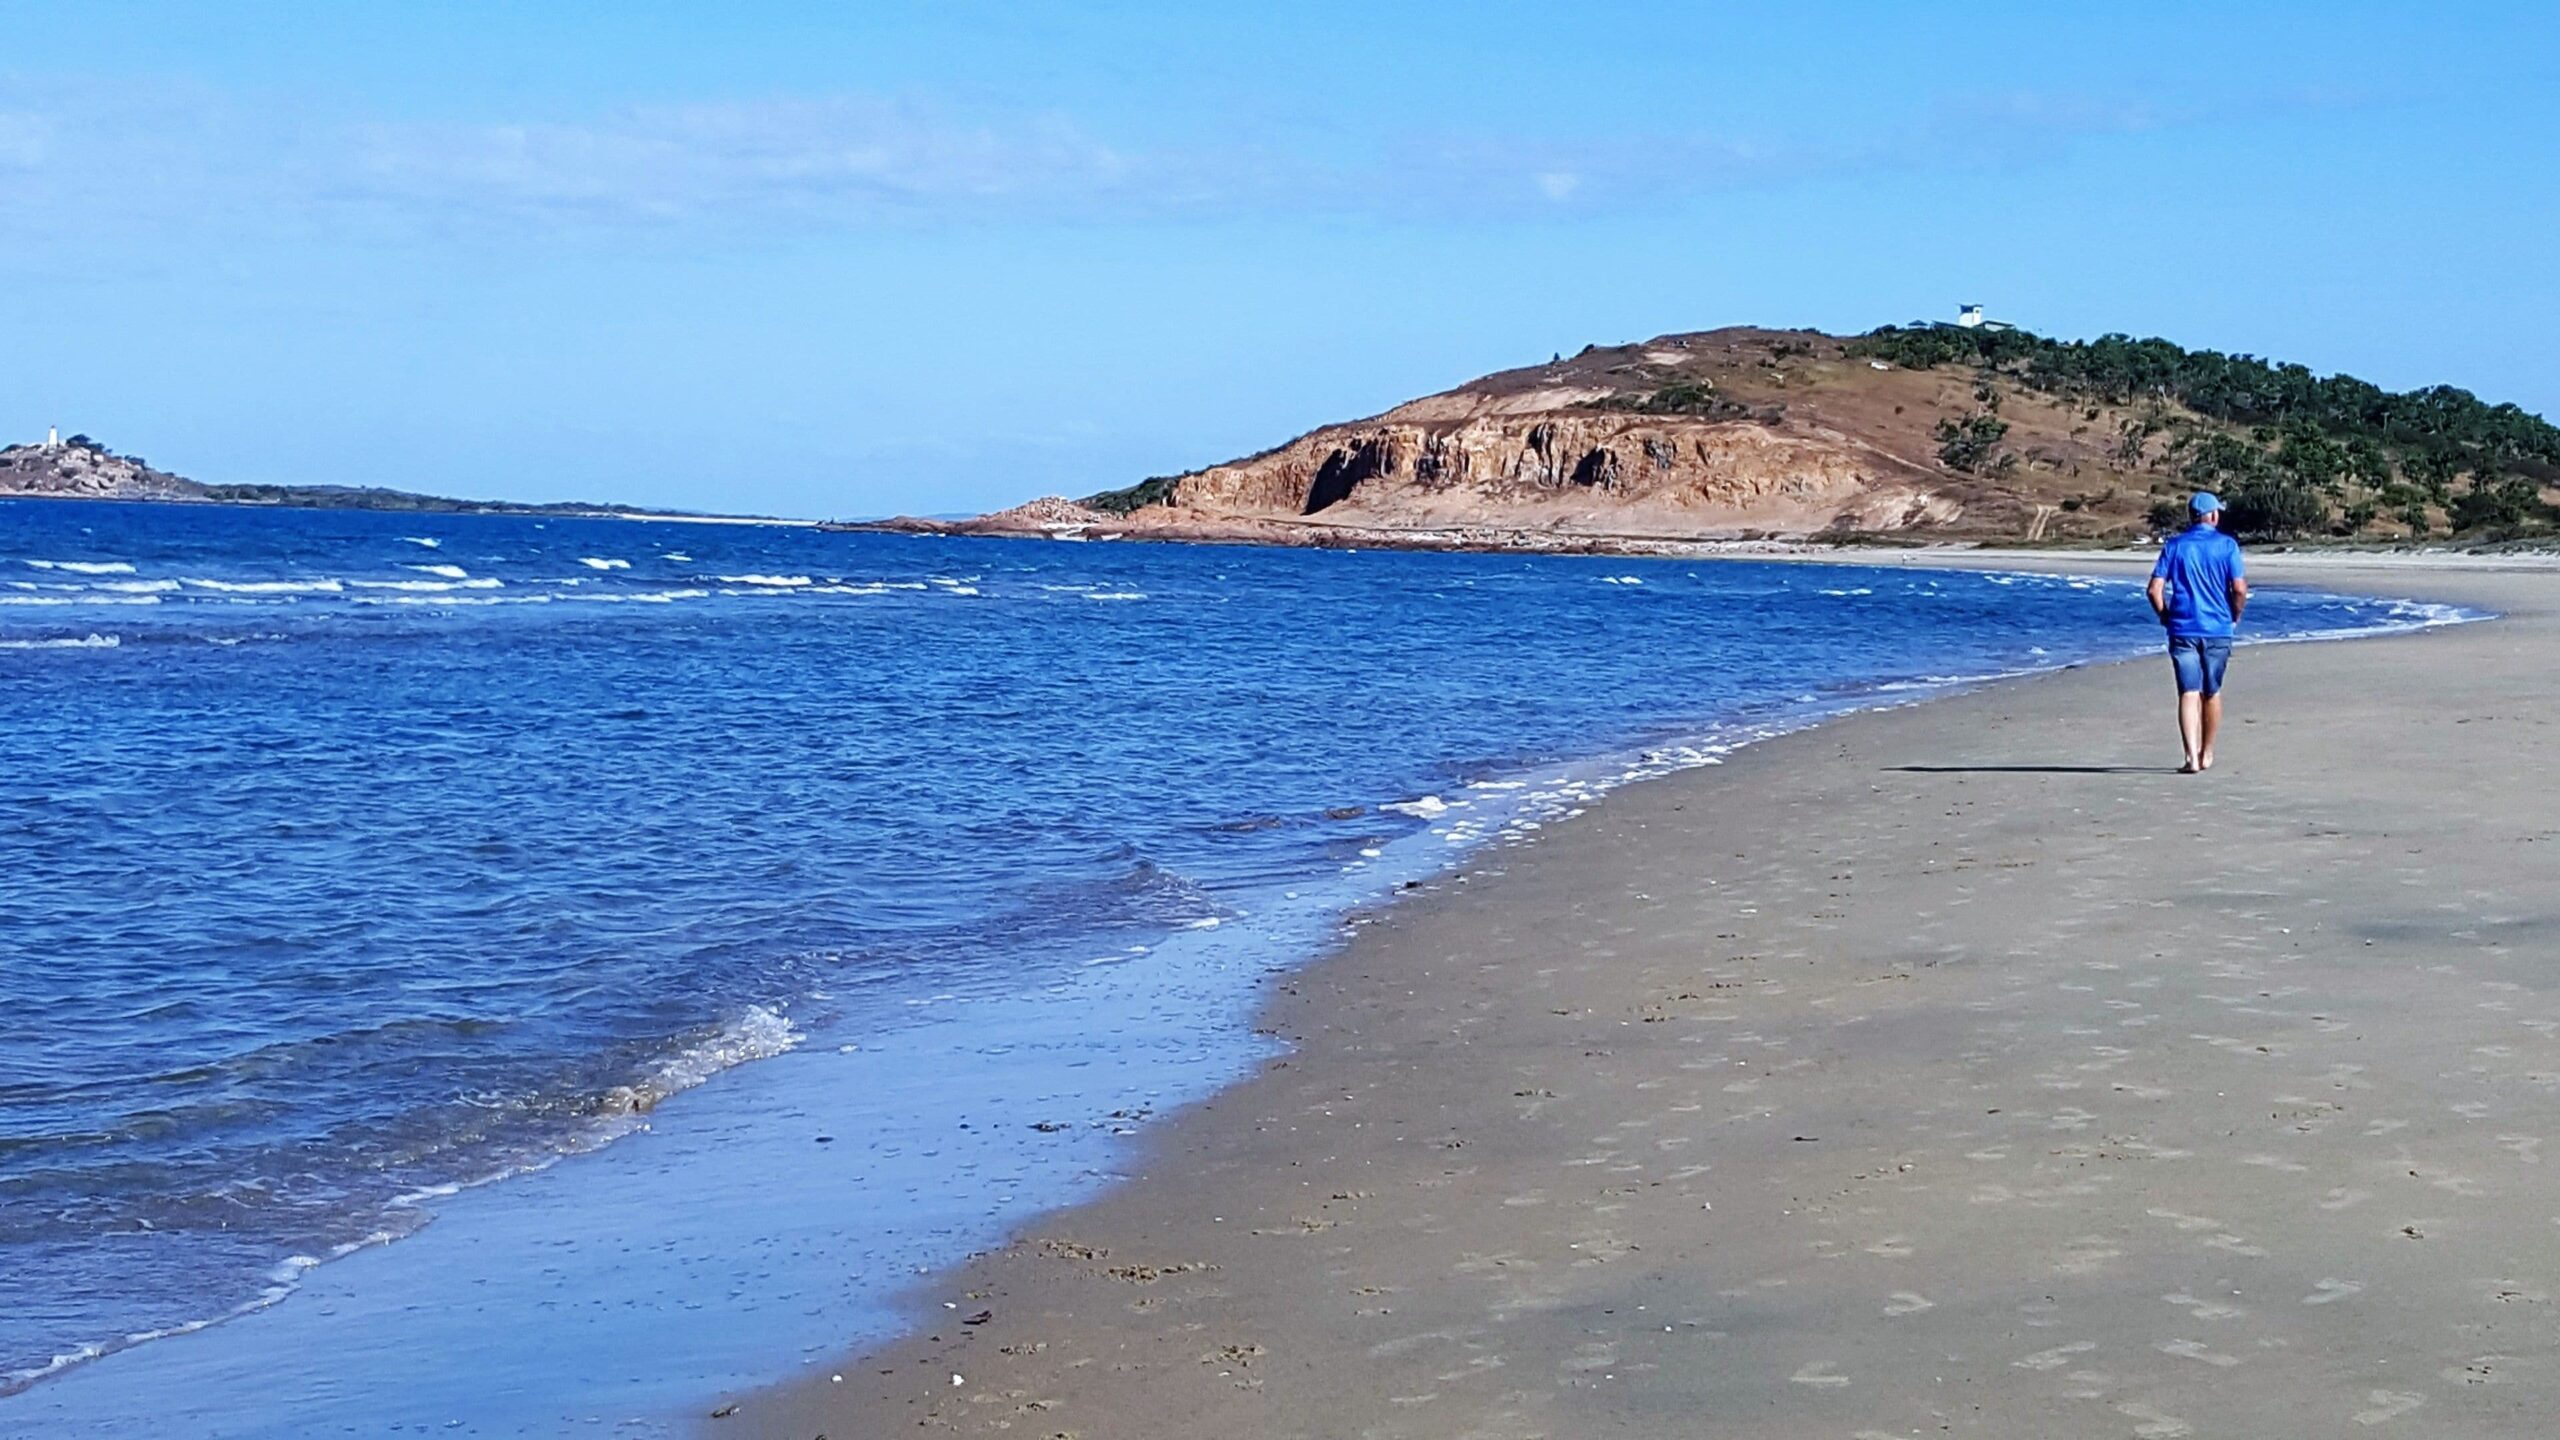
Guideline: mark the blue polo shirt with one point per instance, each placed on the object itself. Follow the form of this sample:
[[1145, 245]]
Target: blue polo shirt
[[2199, 563]]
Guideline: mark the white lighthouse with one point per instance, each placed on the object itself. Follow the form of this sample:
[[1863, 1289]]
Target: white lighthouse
[[52, 438]]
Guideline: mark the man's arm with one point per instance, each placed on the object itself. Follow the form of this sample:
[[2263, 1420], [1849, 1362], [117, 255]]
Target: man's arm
[[2158, 594], [2239, 591]]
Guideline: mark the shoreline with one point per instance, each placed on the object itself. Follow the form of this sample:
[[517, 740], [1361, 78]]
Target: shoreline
[[351, 1289], [1053, 1269]]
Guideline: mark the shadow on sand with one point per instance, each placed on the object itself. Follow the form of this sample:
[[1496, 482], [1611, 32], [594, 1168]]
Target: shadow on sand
[[2035, 769]]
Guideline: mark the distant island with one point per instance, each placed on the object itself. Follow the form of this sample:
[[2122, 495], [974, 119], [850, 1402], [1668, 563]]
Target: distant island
[[80, 468], [1964, 431]]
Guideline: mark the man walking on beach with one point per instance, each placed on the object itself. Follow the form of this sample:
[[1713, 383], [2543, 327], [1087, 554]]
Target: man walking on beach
[[2198, 593]]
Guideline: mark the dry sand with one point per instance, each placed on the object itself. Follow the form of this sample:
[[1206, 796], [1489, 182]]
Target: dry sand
[[1956, 1070]]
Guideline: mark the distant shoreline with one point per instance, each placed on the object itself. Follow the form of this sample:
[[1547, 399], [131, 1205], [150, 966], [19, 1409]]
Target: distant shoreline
[[1862, 549], [432, 505]]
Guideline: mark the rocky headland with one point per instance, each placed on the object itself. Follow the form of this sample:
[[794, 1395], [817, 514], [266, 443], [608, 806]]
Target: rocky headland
[[80, 468], [1907, 434]]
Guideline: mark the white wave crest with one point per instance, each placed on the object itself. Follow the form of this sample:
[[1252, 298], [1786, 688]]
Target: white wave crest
[[86, 642], [778, 582], [449, 572], [642, 597], [427, 585], [593, 562], [84, 567], [759, 1033], [268, 587], [428, 541]]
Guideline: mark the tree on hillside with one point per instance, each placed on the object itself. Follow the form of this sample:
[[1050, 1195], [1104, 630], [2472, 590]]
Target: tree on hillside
[[1967, 444], [2306, 441]]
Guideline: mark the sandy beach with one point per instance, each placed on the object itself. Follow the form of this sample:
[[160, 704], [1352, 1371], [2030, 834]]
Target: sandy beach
[[1950, 1070]]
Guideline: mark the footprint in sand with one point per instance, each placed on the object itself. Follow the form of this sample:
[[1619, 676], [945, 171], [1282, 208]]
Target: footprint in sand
[[2196, 1350], [2184, 1222], [1908, 1302], [2055, 1358], [2332, 1290], [2204, 1309], [1820, 1375], [2086, 1256], [2385, 1405], [2152, 1425], [2479, 1370]]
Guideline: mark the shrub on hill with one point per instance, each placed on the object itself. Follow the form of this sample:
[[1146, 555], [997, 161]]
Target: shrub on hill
[[2332, 442], [1679, 397], [1154, 490]]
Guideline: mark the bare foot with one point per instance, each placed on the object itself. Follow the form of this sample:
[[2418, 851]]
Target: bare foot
[[2192, 767], [2205, 761]]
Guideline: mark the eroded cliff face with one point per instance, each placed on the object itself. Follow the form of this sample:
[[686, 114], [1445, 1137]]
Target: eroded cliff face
[[1575, 467]]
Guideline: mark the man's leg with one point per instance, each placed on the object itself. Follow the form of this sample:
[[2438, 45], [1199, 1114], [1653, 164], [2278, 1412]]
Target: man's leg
[[2217, 654], [2186, 660]]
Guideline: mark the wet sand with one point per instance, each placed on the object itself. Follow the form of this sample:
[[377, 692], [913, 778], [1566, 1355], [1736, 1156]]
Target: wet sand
[[1952, 1070]]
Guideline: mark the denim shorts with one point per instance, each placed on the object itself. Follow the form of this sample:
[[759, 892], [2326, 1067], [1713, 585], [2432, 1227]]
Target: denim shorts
[[2199, 660]]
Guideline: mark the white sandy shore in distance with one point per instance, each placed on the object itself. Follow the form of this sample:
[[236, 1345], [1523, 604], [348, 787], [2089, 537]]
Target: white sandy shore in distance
[[1955, 1070]]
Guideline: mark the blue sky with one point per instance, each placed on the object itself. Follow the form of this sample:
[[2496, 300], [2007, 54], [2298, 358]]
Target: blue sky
[[852, 258]]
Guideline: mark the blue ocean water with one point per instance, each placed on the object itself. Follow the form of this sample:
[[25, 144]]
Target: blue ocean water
[[347, 858]]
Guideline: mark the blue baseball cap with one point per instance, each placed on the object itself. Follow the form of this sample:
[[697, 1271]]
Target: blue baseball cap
[[2205, 503]]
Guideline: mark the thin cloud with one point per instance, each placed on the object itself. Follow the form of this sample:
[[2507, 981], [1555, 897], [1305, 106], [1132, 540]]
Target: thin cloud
[[845, 159], [844, 163]]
